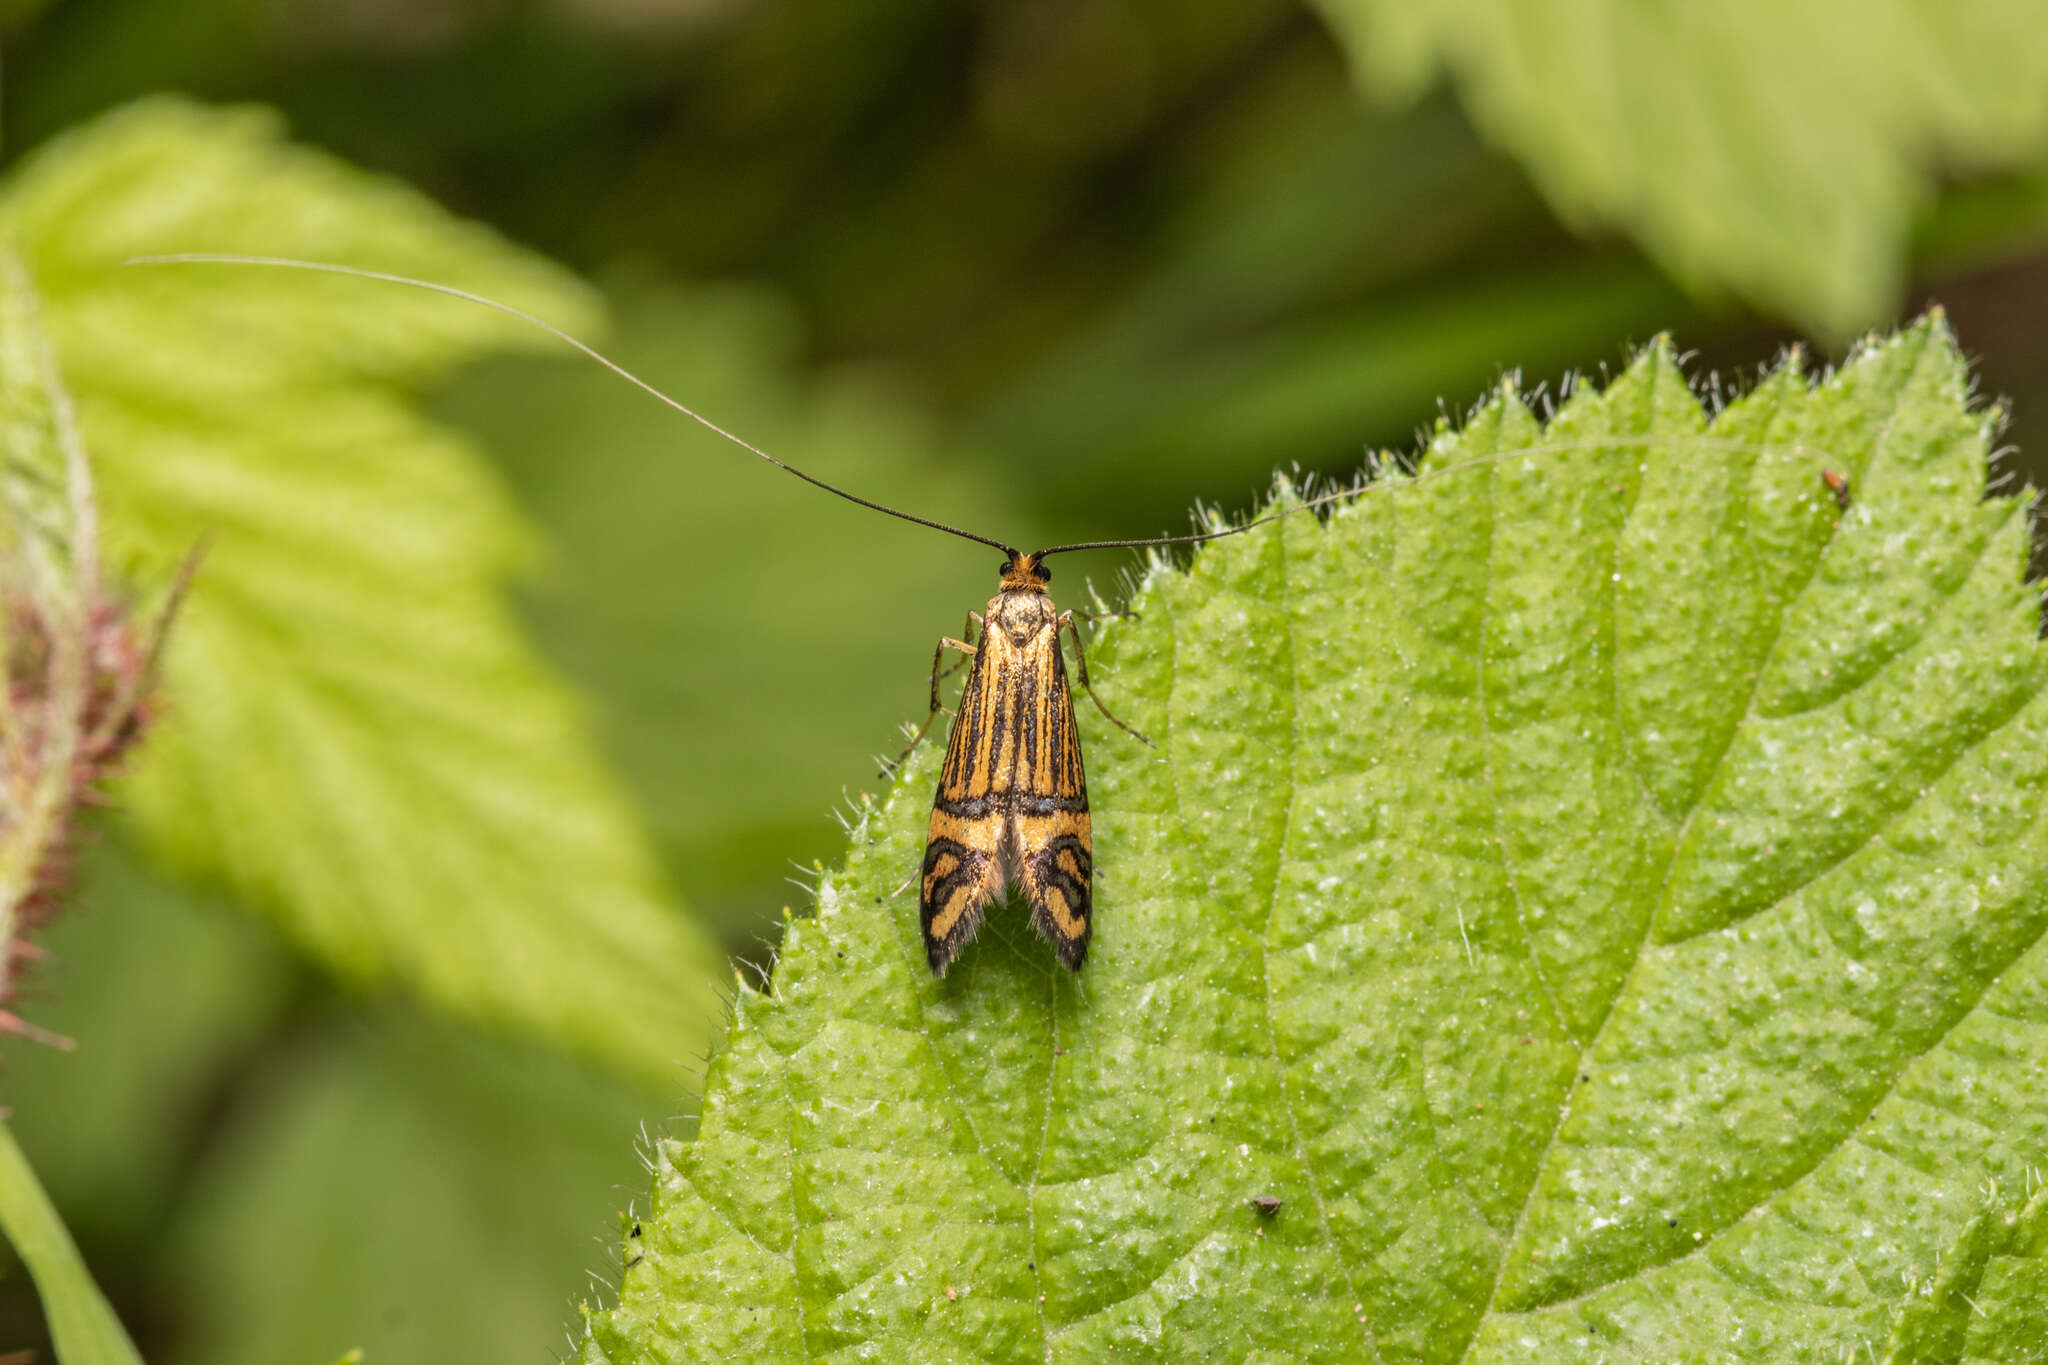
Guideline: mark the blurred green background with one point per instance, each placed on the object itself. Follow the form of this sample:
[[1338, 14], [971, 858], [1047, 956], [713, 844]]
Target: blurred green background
[[1053, 269]]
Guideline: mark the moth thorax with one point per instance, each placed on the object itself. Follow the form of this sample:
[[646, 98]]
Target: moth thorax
[[1022, 612]]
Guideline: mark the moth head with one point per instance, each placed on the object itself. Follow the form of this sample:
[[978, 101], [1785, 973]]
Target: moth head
[[1025, 573]]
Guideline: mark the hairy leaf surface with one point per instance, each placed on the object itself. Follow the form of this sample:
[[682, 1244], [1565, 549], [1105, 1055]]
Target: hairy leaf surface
[[1598, 890], [361, 740]]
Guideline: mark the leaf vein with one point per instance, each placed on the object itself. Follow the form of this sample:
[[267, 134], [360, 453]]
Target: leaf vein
[[1851, 1133], [1565, 1105], [1908, 804], [1265, 938]]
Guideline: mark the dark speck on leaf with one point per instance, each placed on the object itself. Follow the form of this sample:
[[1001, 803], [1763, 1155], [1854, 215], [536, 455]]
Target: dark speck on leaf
[[1266, 1204]]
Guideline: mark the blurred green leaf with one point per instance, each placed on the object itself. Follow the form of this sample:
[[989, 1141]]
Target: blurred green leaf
[[155, 1049], [320, 1171], [156, 1053], [1779, 152], [1317, 293], [1985, 224], [404, 1187], [16, 13], [84, 1328], [1600, 891], [361, 740]]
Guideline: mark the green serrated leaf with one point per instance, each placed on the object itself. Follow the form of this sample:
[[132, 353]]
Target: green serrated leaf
[[360, 738], [1781, 152], [1599, 891]]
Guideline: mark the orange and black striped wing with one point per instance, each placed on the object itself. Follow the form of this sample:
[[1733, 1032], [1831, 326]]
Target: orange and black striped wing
[[1055, 852], [963, 864]]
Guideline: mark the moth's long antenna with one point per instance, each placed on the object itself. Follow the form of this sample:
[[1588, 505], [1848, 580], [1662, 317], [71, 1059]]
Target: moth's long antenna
[[1196, 538], [323, 267]]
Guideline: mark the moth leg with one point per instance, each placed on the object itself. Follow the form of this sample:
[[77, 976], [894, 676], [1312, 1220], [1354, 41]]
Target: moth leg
[[1066, 623], [938, 657], [966, 633]]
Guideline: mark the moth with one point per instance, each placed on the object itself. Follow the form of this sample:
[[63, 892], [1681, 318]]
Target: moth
[[1012, 801], [1012, 804]]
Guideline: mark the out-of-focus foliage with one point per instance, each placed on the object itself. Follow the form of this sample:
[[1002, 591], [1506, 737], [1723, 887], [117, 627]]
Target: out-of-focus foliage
[[1782, 151], [363, 743], [1598, 888], [1259, 324], [70, 696], [77, 676], [394, 1150], [82, 1324], [352, 626], [155, 1047], [1126, 286], [313, 1174]]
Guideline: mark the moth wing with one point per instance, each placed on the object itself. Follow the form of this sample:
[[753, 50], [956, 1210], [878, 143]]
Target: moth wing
[[1055, 853], [963, 864], [963, 875]]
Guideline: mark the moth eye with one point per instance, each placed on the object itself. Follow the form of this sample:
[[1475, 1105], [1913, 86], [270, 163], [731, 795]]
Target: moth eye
[[1008, 565], [1044, 574]]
